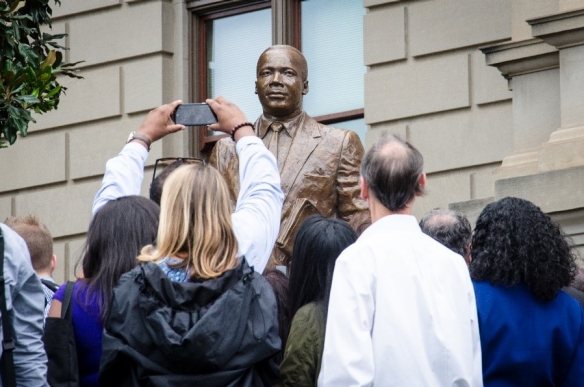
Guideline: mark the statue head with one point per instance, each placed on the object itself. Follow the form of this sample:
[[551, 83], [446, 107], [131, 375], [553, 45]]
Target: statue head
[[281, 81]]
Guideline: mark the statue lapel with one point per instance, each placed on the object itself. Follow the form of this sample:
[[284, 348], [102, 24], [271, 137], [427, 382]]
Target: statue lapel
[[305, 140]]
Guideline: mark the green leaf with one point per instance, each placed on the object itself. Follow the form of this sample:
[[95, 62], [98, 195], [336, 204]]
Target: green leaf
[[29, 99], [53, 92], [16, 6]]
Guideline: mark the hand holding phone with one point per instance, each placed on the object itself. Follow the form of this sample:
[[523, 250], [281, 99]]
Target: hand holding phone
[[194, 114]]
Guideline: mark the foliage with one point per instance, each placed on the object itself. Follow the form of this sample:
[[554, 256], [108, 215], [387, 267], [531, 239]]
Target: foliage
[[30, 62]]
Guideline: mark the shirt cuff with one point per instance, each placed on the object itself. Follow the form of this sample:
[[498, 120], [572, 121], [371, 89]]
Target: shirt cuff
[[245, 141], [138, 148]]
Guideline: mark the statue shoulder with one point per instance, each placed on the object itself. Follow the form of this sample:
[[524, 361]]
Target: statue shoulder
[[222, 153]]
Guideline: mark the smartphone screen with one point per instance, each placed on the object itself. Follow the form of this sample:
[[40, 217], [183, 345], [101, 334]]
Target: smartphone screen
[[194, 114]]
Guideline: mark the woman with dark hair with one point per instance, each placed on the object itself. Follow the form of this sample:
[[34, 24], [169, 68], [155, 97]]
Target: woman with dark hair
[[280, 283], [532, 333], [116, 234], [317, 246]]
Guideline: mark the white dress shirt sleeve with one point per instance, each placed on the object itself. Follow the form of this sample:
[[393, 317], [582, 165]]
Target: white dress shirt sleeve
[[256, 220], [123, 175], [348, 349]]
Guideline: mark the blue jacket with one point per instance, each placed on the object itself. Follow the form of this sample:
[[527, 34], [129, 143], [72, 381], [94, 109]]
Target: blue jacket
[[529, 342]]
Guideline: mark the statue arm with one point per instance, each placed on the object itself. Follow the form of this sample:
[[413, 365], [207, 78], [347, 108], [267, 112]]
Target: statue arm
[[349, 202]]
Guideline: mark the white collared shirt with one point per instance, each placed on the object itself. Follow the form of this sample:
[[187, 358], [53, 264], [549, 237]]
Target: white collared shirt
[[402, 312]]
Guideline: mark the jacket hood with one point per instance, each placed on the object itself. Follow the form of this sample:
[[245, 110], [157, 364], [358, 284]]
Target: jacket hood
[[193, 327]]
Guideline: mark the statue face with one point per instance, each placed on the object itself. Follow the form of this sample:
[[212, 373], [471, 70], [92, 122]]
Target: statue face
[[279, 83]]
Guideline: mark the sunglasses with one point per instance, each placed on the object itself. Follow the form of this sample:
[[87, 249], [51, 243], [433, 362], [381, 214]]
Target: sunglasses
[[164, 162]]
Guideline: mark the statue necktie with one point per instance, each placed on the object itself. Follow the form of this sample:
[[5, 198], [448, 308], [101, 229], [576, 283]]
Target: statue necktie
[[276, 127]]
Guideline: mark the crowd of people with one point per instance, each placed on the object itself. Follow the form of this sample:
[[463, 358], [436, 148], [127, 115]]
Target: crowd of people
[[187, 288]]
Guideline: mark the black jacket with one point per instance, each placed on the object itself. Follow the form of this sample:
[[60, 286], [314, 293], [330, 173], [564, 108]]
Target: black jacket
[[220, 332]]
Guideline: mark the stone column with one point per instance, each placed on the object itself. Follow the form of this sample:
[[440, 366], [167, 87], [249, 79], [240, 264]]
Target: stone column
[[531, 67], [565, 31]]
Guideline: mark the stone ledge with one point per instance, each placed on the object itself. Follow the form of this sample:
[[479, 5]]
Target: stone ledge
[[552, 191], [471, 208], [523, 57], [560, 30]]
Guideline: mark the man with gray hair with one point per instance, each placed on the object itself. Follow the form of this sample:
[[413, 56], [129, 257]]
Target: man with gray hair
[[402, 308], [451, 228]]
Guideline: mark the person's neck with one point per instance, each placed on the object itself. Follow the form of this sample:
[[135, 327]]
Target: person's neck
[[378, 210], [44, 274], [287, 118]]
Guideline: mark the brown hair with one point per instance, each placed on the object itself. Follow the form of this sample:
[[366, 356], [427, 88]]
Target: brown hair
[[392, 169], [37, 237]]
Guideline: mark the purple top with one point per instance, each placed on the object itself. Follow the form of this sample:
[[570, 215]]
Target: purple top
[[88, 332]]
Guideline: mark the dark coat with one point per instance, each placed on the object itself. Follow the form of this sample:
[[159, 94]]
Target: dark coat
[[219, 332]]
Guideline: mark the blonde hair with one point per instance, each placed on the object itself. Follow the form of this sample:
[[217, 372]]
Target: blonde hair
[[195, 223]]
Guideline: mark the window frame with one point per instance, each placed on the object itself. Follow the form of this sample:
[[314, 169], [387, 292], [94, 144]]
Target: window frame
[[286, 29]]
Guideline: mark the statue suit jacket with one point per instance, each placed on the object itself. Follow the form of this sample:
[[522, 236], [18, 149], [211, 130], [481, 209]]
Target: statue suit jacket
[[322, 167]]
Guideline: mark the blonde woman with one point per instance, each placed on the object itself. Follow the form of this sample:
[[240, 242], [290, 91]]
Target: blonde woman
[[195, 312]]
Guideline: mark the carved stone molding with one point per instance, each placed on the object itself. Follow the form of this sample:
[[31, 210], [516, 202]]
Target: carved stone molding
[[560, 30], [522, 57]]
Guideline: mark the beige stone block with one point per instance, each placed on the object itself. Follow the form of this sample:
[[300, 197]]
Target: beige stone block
[[482, 182], [384, 35], [572, 86], [536, 108], [406, 90], [5, 207], [521, 10], [34, 160], [471, 208], [66, 209], [518, 164], [94, 97], [564, 150], [142, 29], [75, 253], [569, 5], [553, 191], [59, 249], [68, 8], [372, 3], [377, 131], [93, 145], [488, 84], [441, 190], [449, 24], [572, 224], [144, 83], [465, 138]]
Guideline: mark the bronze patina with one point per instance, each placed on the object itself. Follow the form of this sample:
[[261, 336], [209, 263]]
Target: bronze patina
[[319, 164]]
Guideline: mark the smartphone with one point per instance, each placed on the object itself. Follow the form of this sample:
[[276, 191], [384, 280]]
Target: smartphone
[[194, 114]]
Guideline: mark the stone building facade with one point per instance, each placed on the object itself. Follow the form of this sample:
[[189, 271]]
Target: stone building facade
[[490, 91]]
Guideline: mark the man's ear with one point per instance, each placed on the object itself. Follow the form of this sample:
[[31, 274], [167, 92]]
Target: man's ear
[[305, 87], [256, 87], [53, 263], [364, 188], [422, 182]]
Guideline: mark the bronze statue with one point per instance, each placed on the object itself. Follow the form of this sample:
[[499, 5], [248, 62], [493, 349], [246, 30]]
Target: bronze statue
[[319, 164]]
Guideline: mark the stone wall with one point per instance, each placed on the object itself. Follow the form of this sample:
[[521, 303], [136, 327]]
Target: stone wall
[[428, 82], [135, 55]]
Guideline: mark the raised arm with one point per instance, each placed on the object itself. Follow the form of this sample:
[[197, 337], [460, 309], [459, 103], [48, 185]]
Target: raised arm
[[256, 220], [125, 172]]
